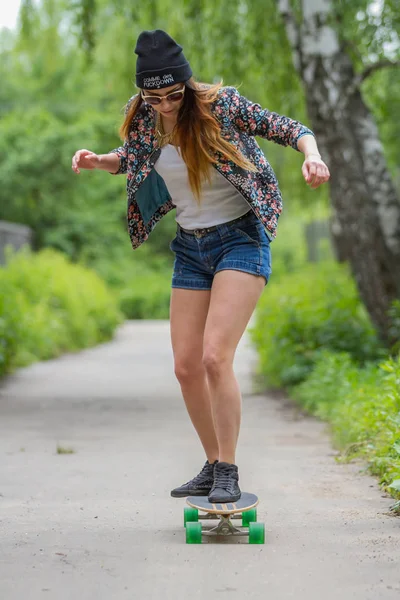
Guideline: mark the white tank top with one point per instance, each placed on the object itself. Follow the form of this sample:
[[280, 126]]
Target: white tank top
[[220, 201]]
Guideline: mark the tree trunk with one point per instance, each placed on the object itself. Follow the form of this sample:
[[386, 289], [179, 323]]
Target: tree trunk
[[366, 209]]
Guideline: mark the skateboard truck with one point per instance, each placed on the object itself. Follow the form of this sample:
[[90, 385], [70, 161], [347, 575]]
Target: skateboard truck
[[244, 510]]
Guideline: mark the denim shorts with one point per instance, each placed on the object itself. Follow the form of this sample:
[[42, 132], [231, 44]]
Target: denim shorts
[[241, 245]]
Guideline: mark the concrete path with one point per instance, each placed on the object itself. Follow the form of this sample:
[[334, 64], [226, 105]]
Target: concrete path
[[99, 524]]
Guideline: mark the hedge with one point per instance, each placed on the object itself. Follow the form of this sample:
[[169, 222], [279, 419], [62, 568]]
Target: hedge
[[49, 306]]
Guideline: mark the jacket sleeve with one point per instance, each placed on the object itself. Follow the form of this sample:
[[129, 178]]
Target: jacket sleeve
[[122, 151], [255, 120]]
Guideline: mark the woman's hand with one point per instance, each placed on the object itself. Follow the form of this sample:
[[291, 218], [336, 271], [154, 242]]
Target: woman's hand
[[85, 159], [315, 171]]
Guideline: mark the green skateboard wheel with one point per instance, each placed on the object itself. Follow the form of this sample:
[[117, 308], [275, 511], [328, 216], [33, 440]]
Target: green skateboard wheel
[[249, 516], [193, 532], [190, 515], [256, 533]]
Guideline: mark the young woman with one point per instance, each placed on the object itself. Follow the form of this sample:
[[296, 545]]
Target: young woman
[[192, 147]]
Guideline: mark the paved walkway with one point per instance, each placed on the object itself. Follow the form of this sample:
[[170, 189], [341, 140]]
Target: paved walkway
[[99, 524]]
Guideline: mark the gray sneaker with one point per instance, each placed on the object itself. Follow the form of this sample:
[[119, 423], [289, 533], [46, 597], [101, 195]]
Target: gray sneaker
[[198, 486], [226, 484]]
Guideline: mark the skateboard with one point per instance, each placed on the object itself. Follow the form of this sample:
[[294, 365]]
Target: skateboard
[[244, 509]]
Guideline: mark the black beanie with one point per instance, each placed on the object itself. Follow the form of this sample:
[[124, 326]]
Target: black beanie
[[160, 62]]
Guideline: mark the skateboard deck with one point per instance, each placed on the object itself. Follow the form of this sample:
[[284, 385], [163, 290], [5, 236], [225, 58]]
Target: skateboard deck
[[224, 513], [246, 502]]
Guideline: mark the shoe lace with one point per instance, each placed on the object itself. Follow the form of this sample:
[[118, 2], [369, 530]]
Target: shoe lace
[[200, 477], [223, 478]]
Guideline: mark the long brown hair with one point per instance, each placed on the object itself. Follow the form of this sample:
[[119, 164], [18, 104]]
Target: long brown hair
[[198, 133]]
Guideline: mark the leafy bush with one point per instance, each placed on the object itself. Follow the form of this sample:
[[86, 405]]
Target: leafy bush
[[394, 332], [49, 306], [308, 311], [125, 269], [147, 297], [363, 407], [314, 336], [9, 316]]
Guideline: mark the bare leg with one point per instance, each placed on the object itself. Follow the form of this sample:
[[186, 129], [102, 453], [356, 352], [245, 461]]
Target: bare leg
[[188, 316], [233, 299]]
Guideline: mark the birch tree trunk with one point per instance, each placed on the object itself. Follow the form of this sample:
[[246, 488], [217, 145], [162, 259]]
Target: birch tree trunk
[[366, 208]]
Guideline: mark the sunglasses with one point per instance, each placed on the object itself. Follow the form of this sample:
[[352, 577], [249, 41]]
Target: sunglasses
[[172, 97]]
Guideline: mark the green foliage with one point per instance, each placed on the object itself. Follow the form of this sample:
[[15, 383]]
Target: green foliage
[[382, 92], [147, 297], [334, 376], [54, 101], [289, 249], [49, 306], [369, 29], [363, 407], [9, 327], [394, 331], [65, 81], [305, 312], [36, 174], [313, 336]]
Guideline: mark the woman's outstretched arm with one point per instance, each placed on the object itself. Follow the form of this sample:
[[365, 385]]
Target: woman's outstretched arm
[[86, 159], [255, 120]]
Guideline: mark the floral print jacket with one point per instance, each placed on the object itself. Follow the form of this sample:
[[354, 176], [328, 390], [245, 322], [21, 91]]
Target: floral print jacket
[[241, 120]]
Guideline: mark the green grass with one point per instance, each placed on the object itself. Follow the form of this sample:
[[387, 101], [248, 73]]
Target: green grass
[[63, 450], [363, 407]]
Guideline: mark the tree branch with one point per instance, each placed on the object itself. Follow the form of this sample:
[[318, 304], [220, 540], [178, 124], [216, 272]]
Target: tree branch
[[380, 64], [358, 79]]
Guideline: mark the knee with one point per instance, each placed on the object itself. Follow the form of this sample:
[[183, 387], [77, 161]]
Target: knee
[[215, 361], [188, 368]]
